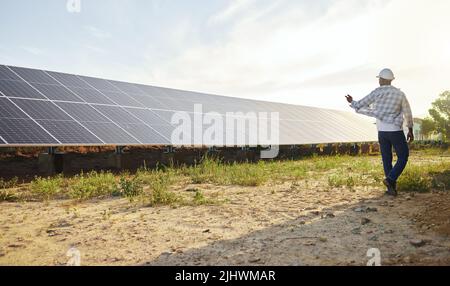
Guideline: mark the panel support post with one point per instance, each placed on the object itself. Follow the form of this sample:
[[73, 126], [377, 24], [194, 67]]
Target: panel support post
[[245, 148], [169, 149], [118, 154], [51, 162], [212, 150], [119, 150]]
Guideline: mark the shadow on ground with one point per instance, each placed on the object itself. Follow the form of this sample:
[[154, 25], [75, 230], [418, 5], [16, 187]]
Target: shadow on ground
[[337, 236]]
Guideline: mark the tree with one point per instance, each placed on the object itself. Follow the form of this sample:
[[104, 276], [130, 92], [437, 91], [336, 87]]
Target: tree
[[428, 126], [440, 113]]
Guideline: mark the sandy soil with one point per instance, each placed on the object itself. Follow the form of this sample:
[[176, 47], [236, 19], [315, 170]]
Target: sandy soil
[[288, 224]]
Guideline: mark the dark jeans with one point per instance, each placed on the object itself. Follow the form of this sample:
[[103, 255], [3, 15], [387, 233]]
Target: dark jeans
[[398, 141]]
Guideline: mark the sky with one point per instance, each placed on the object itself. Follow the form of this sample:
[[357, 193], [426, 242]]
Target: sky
[[295, 51]]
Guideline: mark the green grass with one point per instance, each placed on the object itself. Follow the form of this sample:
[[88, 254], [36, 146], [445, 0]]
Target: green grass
[[93, 185], [158, 183], [440, 180], [338, 181], [8, 196], [425, 178], [155, 187], [213, 171], [47, 188], [13, 183], [130, 187], [200, 199], [209, 170], [247, 175]]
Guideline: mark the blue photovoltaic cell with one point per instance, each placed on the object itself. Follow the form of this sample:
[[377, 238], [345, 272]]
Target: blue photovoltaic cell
[[172, 93], [34, 76], [57, 92], [41, 109], [91, 96], [165, 130], [69, 80], [158, 94], [132, 125], [100, 84], [24, 131], [121, 98], [166, 115], [144, 134], [110, 133], [69, 132], [9, 110], [147, 116], [83, 112], [117, 114], [5, 73], [14, 88], [126, 87], [150, 101]]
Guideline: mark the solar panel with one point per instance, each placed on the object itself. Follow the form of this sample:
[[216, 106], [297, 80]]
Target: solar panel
[[68, 80], [9, 110], [57, 92], [111, 134], [6, 73], [22, 89], [121, 98], [147, 116], [33, 76], [24, 132], [49, 108], [41, 109], [133, 125], [166, 115], [83, 112], [99, 84], [150, 101], [145, 134], [91, 95], [70, 132], [127, 88], [117, 114]]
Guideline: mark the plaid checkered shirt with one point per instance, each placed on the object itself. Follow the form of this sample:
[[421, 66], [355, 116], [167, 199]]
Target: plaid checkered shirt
[[388, 104]]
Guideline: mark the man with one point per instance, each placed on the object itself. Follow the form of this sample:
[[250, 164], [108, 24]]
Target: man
[[390, 107]]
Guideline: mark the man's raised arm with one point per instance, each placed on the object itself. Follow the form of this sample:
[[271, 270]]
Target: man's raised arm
[[363, 103]]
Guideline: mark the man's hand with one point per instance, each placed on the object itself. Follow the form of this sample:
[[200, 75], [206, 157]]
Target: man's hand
[[349, 98], [410, 135]]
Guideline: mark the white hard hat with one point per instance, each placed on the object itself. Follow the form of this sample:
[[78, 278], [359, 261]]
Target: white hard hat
[[386, 74]]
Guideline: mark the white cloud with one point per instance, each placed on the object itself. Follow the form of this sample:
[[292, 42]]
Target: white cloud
[[281, 52], [233, 9], [32, 50], [94, 49], [97, 32], [282, 48]]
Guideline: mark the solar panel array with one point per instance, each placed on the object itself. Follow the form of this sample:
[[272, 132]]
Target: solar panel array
[[43, 108]]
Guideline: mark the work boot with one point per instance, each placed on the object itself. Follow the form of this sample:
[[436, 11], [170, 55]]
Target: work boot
[[391, 188]]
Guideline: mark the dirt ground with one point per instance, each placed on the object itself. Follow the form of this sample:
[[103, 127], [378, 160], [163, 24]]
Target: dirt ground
[[288, 224]]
